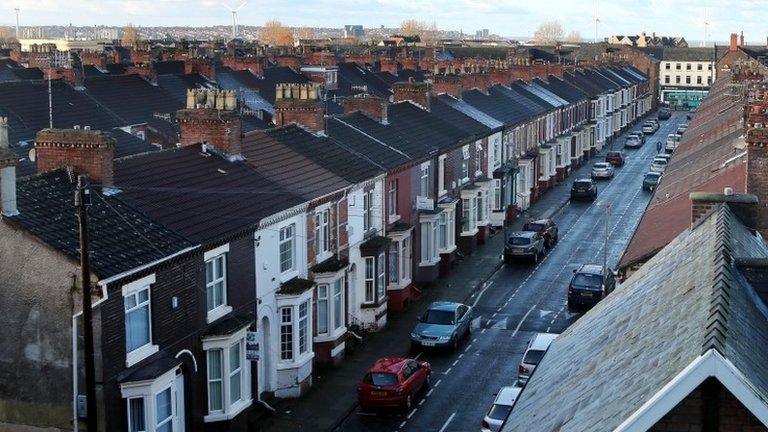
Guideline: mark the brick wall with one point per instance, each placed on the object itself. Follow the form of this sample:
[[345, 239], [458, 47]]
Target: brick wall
[[417, 92], [475, 81], [450, 84], [89, 152], [757, 174], [253, 64], [203, 67], [288, 60], [372, 106], [222, 129]]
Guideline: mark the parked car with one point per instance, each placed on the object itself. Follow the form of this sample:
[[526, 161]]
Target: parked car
[[615, 158], [524, 244], [534, 352], [659, 165], [499, 411], [584, 188], [666, 156], [442, 325], [547, 229], [673, 140], [639, 135], [393, 383], [651, 180], [649, 128], [602, 170], [680, 130], [664, 114], [690, 114], [589, 285], [633, 142]]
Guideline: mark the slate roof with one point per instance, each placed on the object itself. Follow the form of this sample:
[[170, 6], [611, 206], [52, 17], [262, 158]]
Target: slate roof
[[121, 237], [498, 106], [709, 158], [342, 129], [561, 88], [447, 112], [585, 85], [621, 353], [25, 103], [169, 67], [176, 85], [203, 196], [131, 97], [469, 110], [352, 76], [276, 75], [20, 74], [688, 54]]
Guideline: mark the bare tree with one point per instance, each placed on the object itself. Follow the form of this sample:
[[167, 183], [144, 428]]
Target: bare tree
[[574, 37], [427, 32], [130, 36], [276, 34], [305, 33], [548, 33]]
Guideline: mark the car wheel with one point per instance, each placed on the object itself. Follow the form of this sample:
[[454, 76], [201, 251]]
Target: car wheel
[[428, 381], [535, 257], [455, 344], [570, 304], [408, 402]]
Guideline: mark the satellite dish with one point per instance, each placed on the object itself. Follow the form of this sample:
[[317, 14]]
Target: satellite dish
[[31, 155]]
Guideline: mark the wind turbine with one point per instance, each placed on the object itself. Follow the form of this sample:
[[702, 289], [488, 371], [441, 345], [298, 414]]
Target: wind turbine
[[597, 18], [234, 17], [706, 27], [18, 35]]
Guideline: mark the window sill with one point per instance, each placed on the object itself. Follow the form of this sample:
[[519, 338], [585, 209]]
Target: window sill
[[470, 233], [330, 337], [429, 263], [295, 364], [398, 286], [393, 218], [219, 312], [448, 250], [235, 409], [140, 354]]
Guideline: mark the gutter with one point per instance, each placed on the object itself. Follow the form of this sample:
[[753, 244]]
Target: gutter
[[104, 282]]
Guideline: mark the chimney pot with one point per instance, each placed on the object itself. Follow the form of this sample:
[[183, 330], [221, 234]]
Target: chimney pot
[[728, 191]]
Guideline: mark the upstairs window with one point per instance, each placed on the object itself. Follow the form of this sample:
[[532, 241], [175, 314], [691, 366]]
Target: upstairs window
[[216, 282], [424, 180], [287, 248], [392, 198], [367, 210], [322, 232]]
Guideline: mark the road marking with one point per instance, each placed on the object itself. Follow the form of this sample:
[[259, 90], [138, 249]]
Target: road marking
[[488, 285], [438, 382], [402, 424], [447, 422], [454, 363], [494, 315], [483, 330], [474, 340], [412, 413], [553, 320], [461, 355], [448, 371], [429, 393], [421, 402], [548, 329], [416, 357], [466, 349], [520, 324]]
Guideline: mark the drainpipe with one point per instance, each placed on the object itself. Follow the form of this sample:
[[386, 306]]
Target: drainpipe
[[74, 374]]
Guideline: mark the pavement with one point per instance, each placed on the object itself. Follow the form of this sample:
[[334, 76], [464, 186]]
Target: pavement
[[511, 303]]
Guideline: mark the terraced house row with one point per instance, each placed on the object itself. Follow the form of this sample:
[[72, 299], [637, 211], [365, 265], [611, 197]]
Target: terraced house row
[[233, 261]]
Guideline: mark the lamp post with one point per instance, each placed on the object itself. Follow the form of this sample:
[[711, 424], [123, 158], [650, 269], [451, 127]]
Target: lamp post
[[607, 206]]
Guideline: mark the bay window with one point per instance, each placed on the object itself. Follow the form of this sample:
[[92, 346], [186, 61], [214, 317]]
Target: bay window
[[380, 284], [405, 258], [442, 231], [323, 309], [303, 327], [394, 265], [287, 248], [155, 405], [446, 239], [286, 333], [497, 197], [227, 374], [399, 259], [338, 304], [370, 279], [429, 234], [469, 215]]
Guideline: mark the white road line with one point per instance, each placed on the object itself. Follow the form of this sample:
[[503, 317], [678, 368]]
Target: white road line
[[421, 402], [447, 371], [494, 315], [402, 424], [553, 320], [416, 357], [438, 382], [520, 324], [474, 340], [548, 329], [488, 285], [429, 393], [447, 422], [461, 355], [483, 330], [411, 413], [454, 363], [467, 348]]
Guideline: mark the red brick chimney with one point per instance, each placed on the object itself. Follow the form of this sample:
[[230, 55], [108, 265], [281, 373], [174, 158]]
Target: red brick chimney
[[300, 104], [757, 162], [89, 152], [450, 84], [210, 117], [372, 106], [202, 66], [734, 42], [416, 92]]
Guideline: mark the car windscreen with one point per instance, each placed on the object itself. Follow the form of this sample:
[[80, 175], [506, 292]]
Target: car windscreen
[[601, 165], [582, 184], [499, 412], [652, 177], [533, 357], [434, 316], [534, 227], [380, 379], [519, 241], [660, 161], [587, 280], [613, 154]]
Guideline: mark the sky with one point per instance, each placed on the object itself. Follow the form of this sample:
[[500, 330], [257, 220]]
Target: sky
[[504, 17]]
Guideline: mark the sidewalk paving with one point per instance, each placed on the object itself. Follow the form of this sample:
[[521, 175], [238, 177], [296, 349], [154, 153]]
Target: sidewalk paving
[[334, 391]]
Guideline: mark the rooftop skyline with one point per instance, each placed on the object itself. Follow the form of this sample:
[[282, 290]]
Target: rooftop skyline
[[518, 18]]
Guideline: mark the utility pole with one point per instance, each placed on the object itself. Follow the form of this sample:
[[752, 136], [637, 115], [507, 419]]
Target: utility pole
[[605, 240], [18, 35], [82, 201]]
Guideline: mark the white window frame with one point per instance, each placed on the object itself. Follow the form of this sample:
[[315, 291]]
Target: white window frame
[[392, 198], [441, 175], [323, 304], [287, 323], [333, 304], [381, 277], [497, 197], [230, 408], [223, 309], [424, 180], [367, 210], [496, 153], [284, 238], [369, 285], [469, 212], [148, 391], [479, 160], [464, 173], [322, 219], [130, 289], [428, 248], [303, 327]]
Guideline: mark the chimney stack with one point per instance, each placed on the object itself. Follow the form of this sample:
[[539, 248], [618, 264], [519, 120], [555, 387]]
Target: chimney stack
[[450, 84], [416, 92], [8, 161], [734, 42], [89, 152], [372, 106], [211, 117], [745, 206], [757, 166], [300, 104]]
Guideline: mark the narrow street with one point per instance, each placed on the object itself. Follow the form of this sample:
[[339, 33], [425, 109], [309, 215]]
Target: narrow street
[[521, 300]]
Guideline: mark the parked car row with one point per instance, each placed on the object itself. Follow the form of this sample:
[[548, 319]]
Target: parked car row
[[532, 242]]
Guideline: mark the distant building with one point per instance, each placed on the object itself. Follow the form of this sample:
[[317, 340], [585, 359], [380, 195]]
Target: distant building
[[482, 34], [353, 31], [685, 75], [642, 40]]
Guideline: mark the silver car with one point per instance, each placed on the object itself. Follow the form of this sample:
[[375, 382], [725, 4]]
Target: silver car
[[535, 351], [502, 406], [659, 165], [602, 170]]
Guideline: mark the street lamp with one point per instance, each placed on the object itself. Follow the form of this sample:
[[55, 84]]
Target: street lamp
[[607, 206]]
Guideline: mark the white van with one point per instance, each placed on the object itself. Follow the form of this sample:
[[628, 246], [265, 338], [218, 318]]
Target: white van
[[533, 355]]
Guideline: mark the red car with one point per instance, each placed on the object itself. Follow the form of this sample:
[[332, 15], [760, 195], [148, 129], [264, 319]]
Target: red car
[[615, 158], [393, 383]]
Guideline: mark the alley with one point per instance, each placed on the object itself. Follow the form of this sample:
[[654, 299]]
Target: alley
[[521, 300]]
